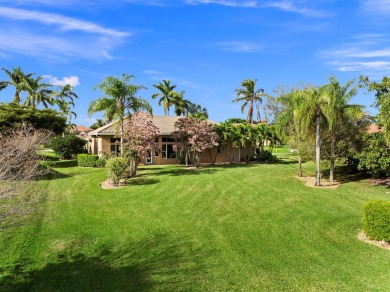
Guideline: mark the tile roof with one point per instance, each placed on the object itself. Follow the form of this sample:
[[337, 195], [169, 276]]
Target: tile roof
[[166, 125], [373, 128]]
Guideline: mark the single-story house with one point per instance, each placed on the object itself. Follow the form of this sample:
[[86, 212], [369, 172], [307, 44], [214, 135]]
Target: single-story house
[[106, 139]]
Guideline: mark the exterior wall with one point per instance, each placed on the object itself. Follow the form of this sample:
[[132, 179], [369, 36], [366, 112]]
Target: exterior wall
[[103, 144]]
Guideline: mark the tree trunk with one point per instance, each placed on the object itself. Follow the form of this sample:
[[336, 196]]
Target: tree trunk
[[332, 158], [121, 150], [299, 166], [318, 154]]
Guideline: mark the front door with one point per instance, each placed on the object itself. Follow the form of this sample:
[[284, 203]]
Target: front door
[[148, 159]]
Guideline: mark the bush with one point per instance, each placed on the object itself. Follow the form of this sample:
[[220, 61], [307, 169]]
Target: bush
[[66, 147], [87, 160], [265, 156], [375, 156], [376, 220], [117, 168], [100, 162]]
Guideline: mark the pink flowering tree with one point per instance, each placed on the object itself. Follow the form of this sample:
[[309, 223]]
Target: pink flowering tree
[[140, 135], [192, 137]]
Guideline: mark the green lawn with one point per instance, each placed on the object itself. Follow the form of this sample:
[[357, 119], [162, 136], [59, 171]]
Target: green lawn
[[233, 227]]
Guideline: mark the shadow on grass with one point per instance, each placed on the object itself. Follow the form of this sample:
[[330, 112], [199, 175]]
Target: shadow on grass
[[140, 181], [64, 163], [343, 175], [157, 263]]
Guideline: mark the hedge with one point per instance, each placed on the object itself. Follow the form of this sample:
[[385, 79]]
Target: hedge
[[376, 220], [87, 160]]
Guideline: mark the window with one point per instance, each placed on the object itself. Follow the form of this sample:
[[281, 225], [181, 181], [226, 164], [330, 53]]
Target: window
[[167, 151], [115, 146], [116, 149], [167, 140], [219, 149]]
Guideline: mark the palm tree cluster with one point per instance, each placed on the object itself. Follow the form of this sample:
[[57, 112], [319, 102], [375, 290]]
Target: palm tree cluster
[[322, 114], [39, 93], [169, 97]]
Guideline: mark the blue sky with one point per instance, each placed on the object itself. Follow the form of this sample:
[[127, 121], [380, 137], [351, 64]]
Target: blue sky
[[205, 47]]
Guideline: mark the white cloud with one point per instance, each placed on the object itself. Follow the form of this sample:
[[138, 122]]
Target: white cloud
[[231, 3], [376, 6], [284, 5], [64, 23], [54, 36], [369, 54], [53, 47], [239, 47], [71, 80]]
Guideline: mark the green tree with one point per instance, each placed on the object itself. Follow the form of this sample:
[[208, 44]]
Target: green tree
[[180, 104], [119, 99], [13, 116], [64, 98], [166, 93], [289, 123], [311, 113], [67, 146], [38, 92], [197, 111], [382, 102], [337, 111], [375, 155], [18, 79], [251, 97]]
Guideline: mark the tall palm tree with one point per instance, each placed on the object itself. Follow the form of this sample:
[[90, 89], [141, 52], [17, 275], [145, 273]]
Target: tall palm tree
[[38, 92], [181, 105], [17, 78], [312, 111], [166, 92], [250, 96], [337, 110], [119, 99], [64, 98], [289, 121]]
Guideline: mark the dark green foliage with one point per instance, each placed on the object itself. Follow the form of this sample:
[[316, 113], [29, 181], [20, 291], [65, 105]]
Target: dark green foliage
[[236, 120], [375, 156], [87, 160], [376, 220], [67, 146], [13, 116], [265, 156]]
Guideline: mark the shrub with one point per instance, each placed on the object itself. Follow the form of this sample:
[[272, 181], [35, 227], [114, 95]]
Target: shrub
[[87, 160], [376, 220], [265, 156], [66, 147], [100, 162], [375, 156], [117, 168]]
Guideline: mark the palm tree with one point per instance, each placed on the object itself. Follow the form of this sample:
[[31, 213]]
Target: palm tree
[[64, 98], [38, 93], [17, 78], [181, 104], [289, 121], [250, 96], [312, 111], [120, 99], [337, 110], [166, 92]]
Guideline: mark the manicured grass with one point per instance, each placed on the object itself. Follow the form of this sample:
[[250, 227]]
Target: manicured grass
[[232, 227]]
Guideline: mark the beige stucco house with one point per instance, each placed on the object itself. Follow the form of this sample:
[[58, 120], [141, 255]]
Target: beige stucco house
[[106, 139]]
